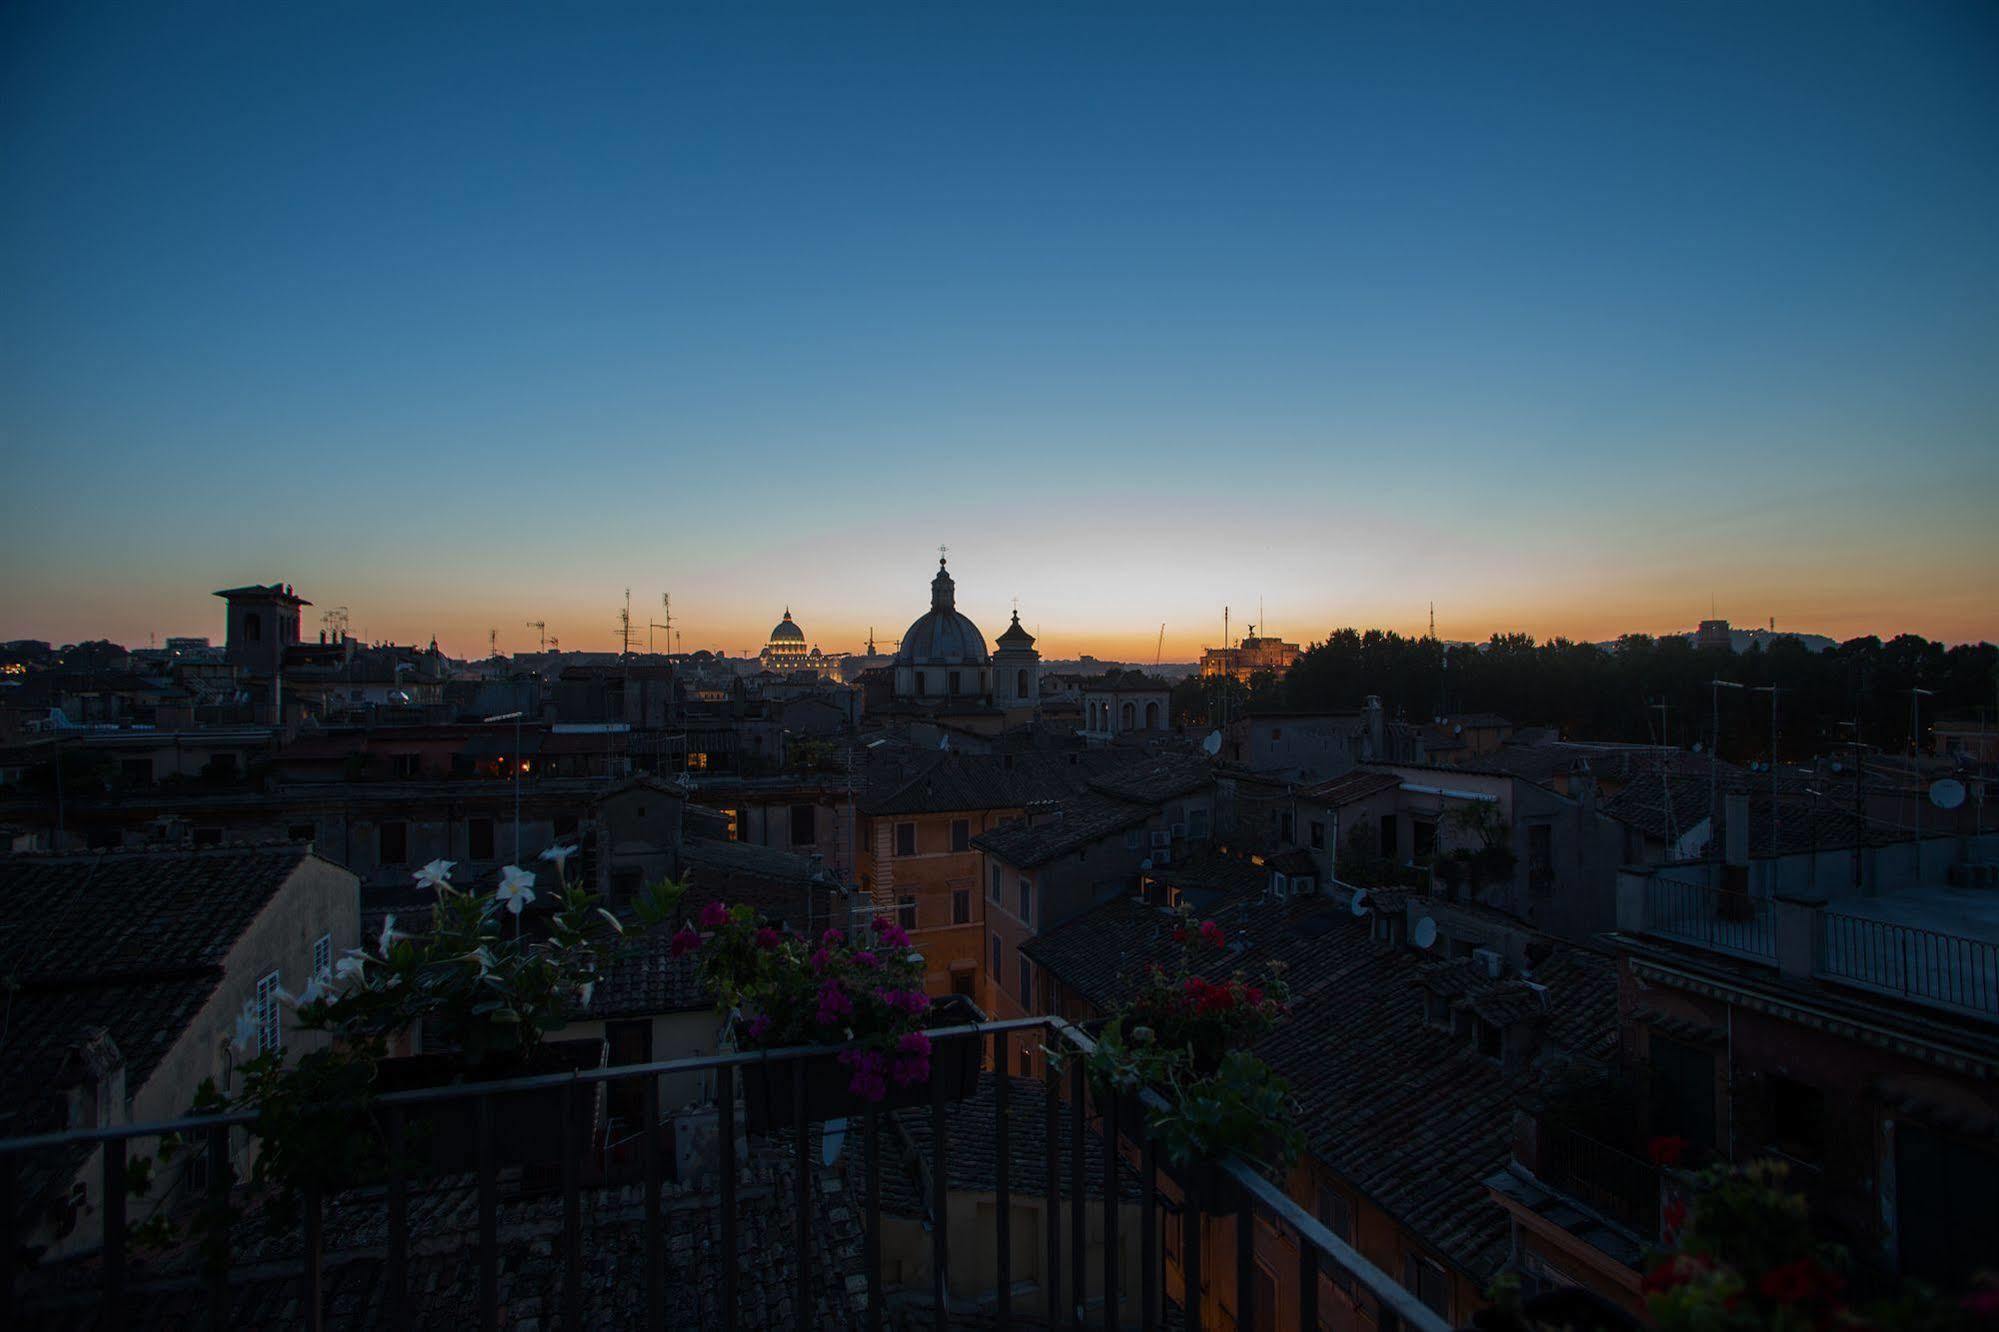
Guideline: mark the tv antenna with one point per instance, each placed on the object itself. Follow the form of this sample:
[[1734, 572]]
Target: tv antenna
[[541, 629], [493, 643]]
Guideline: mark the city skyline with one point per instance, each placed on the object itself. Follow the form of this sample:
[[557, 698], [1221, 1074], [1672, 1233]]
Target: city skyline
[[467, 319]]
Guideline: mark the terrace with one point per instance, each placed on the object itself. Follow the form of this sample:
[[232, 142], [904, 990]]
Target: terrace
[[569, 1238]]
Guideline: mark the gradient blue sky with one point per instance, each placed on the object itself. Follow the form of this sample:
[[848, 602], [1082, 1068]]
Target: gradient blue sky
[[1566, 317]]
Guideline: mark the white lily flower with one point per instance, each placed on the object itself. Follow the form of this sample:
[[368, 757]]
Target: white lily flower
[[245, 1038], [352, 967], [314, 991], [437, 874], [484, 957], [615, 923], [516, 888], [389, 936], [558, 853]]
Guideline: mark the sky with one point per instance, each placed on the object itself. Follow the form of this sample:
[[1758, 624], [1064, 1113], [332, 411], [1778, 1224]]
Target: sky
[[1572, 319]]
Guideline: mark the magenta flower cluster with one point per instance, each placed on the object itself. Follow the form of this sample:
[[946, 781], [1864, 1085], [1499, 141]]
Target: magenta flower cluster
[[913, 1002], [714, 916], [890, 934], [834, 1005], [871, 1071]]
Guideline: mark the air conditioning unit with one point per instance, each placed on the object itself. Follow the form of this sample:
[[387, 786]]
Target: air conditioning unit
[[1489, 961]]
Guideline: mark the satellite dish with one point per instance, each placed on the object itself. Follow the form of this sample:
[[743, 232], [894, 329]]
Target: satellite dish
[[1947, 793], [1426, 933], [1358, 905], [1213, 744]]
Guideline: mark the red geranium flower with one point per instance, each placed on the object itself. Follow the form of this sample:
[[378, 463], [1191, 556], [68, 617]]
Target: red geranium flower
[[1666, 1151]]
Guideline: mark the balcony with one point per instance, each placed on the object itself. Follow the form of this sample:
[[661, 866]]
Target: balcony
[[1725, 920], [1944, 969], [786, 1228]]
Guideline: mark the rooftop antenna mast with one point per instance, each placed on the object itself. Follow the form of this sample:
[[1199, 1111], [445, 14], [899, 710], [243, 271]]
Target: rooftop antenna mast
[[625, 626], [1433, 620], [493, 643], [541, 630]]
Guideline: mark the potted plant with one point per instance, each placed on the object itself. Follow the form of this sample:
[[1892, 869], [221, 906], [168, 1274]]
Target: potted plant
[[865, 993], [1189, 1038]]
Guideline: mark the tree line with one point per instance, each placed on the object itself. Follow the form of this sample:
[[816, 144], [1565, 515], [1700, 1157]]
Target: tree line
[[1639, 690]]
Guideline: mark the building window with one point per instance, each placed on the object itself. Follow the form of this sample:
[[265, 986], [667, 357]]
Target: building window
[[253, 627], [1020, 684], [1287, 828], [1027, 901], [1682, 1091], [1318, 834], [1425, 1280], [479, 839], [1197, 822], [963, 983], [961, 906], [1436, 1010], [905, 912], [951, 682], [994, 890], [406, 765], [804, 825], [394, 839], [1541, 860], [961, 834], [1026, 985], [905, 839], [270, 1031], [322, 956], [1423, 834], [997, 956], [1797, 1119]]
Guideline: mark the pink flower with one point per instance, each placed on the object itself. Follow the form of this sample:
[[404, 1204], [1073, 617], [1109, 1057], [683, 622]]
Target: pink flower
[[1212, 933], [820, 957], [866, 959], [831, 937], [891, 934], [768, 938], [914, 1043], [833, 1004], [869, 1079], [687, 941], [714, 916], [759, 1027], [911, 1070]]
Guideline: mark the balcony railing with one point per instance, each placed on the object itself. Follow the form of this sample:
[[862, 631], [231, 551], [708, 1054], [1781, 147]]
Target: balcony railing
[[1613, 1183], [116, 1294], [1949, 970], [1719, 918]]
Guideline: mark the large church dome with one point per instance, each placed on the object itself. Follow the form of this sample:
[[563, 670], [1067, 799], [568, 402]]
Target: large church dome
[[941, 636], [787, 631]]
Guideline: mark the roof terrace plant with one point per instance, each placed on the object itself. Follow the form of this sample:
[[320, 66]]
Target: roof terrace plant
[[1189, 1038]]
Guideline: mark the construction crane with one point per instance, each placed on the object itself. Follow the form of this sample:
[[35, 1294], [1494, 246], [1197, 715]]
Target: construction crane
[[541, 628], [1159, 648]]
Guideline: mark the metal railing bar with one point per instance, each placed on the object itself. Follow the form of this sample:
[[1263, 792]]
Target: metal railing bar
[[725, 1130], [1079, 1217], [1151, 1273], [874, 1236], [1110, 1134], [572, 1217], [1393, 1297], [471, 1090], [217, 1260], [1245, 1262], [114, 1233], [655, 1242], [802, 1234], [1052, 1199], [940, 1206], [489, 1221], [1003, 1180]]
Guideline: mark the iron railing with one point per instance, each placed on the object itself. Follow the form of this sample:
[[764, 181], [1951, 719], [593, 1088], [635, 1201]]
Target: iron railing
[[1255, 1198], [1723, 919], [1949, 970], [1611, 1182]]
